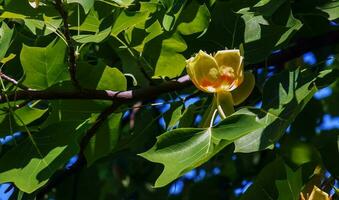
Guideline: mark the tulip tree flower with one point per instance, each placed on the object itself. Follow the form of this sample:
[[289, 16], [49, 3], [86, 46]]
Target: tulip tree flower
[[222, 74]]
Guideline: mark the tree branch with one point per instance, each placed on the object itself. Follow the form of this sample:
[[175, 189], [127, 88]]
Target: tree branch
[[117, 96], [71, 48], [300, 47]]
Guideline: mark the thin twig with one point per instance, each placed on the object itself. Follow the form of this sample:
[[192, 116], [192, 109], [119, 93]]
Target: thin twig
[[71, 48], [13, 81]]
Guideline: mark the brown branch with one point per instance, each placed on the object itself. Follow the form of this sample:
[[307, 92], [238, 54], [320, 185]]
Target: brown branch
[[117, 96], [71, 49]]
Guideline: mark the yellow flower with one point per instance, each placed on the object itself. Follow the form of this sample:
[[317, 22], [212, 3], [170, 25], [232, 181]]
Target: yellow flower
[[222, 74]]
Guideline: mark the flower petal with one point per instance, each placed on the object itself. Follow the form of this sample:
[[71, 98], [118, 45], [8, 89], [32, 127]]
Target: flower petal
[[318, 194], [229, 58], [203, 71], [244, 90]]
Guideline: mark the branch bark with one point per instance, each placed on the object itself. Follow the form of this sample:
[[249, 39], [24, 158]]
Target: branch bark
[[116, 96]]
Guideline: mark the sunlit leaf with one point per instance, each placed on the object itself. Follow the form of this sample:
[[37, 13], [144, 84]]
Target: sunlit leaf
[[32, 162], [44, 66]]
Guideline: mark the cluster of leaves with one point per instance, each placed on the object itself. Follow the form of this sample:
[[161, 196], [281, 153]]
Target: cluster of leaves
[[125, 44]]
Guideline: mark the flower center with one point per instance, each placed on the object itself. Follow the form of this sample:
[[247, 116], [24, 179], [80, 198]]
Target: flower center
[[227, 74]]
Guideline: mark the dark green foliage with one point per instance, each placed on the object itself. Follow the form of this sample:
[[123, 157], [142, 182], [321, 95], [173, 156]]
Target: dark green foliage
[[119, 45]]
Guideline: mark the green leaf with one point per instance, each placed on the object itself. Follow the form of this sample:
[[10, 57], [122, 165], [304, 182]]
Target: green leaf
[[168, 22], [127, 20], [299, 153], [228, 32], [170, 62], [73, 111], [27, 115], [187, 117], [44, 26], [105, 139], [275, 181], [291, 187], [178, 150], [122, 3], [13, 122], [294, 25], [253, 25], [131, 65], [243, 22], [328, 145], [44, 66], [236, 125], [284, 96], [18, 9], [86, 4], [332, 9], [152, 32], [33, 161], [91, 23], [172, 116], [182, 149], [101, 77], [5, 39], [195, 19], [174, 9], [268, 7], [95, 38]]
